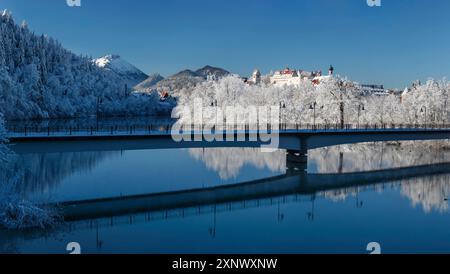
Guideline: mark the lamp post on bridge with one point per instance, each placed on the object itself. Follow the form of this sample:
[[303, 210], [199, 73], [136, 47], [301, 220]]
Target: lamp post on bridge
[[360, 108], [282, 106], [313, 107], [426, 118], [445, 114]]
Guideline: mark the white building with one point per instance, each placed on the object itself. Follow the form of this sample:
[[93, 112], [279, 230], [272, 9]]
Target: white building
[[286, 77], [377, 90], [296, 77]]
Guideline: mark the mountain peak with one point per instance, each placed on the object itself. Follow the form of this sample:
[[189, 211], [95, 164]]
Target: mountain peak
[[185, 73], [119, 66], [182, 79], [210, 70], [108, 61]]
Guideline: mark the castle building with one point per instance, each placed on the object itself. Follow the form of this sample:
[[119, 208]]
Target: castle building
[[286, 77], [297, 77]]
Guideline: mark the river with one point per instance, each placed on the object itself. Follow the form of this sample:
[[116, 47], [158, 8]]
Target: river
[[408, 215]]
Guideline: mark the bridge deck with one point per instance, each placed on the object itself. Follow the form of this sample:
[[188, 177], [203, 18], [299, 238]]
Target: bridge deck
[[296, 140], [67, 135]]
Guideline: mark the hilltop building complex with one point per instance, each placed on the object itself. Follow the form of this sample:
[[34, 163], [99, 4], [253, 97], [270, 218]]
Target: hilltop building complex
[[296, 77]]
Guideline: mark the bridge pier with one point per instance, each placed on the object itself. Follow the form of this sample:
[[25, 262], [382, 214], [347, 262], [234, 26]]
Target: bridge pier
[[297, 157], [297, 160]]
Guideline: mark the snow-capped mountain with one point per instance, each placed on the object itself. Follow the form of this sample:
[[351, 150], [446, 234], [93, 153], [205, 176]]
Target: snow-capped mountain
[[122, 68]]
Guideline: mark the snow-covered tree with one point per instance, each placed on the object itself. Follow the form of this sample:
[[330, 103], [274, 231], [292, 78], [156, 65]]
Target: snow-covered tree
[[333, 101], [41, 79]]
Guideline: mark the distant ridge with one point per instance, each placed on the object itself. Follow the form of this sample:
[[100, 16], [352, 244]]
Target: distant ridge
[[212, 71], [150, 82], [185, 73], [181, 80]]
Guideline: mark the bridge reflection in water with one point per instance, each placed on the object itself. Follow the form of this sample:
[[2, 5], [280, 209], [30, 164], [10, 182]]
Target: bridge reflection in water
[[295, 186], [277, 199], [296, 181]]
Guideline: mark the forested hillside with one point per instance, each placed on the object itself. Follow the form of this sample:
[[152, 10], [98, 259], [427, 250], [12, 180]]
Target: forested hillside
[[39, 78]]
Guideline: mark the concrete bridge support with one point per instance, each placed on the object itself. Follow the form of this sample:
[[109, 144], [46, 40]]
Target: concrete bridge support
[[298, 159]]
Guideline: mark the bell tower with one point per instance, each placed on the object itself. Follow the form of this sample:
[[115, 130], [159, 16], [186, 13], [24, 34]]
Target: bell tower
[[256, 77]]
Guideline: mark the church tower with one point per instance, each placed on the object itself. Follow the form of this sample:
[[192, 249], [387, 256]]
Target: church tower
[[256, 77]]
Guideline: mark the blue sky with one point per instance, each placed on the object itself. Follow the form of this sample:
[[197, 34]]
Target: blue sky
[[394, 44]]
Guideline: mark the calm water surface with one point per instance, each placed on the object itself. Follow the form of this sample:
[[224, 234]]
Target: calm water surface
[[408, 216]]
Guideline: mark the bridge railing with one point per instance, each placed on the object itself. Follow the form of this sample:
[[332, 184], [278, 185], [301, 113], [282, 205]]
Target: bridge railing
[[90, 130], [154, 129]]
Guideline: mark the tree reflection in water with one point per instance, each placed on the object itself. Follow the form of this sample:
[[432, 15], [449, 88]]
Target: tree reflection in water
[[39, 173], [431, 193], [228, 162], [42, 172]]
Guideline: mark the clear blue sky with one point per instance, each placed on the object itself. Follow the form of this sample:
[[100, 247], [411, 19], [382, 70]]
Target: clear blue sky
[[394, 44]]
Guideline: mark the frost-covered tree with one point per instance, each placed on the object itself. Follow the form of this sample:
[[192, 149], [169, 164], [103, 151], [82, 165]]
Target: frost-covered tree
[[428, 103], [334, 101], [330, 102], [41, 79]]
